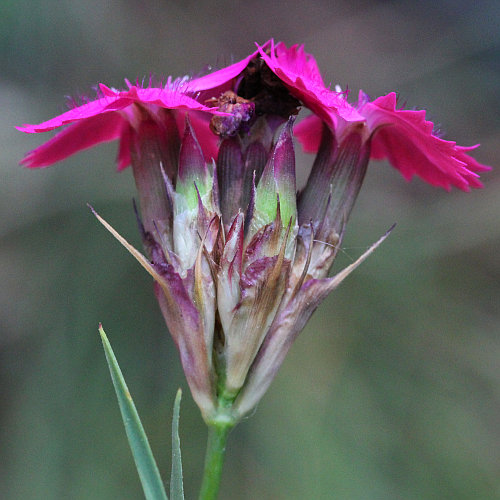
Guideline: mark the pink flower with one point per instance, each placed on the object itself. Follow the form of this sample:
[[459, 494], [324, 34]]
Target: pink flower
[[240, 260], [113, 115], [404, 137], [117, 115]]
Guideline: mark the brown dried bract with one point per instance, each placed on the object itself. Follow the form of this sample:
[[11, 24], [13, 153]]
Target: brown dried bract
[[240, 109]]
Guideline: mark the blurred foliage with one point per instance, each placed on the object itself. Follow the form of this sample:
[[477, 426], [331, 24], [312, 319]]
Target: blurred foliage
[[392, 390]]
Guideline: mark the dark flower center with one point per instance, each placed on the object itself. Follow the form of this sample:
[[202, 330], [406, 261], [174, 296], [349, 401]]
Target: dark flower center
[[261, 86], [259, 93]]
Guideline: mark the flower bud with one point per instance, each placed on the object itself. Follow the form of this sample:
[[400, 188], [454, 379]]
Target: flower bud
[[230, 176], [275, 195], [194, 180], [193, 200]]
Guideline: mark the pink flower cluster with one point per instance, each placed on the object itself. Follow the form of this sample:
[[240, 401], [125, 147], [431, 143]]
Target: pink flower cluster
[[403, 137], [239, 258]]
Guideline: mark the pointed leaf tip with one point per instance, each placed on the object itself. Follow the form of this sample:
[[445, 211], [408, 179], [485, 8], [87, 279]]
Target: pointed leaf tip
[[176, 481], [138, 441], [143, 261], [339, 277], [389, 231]]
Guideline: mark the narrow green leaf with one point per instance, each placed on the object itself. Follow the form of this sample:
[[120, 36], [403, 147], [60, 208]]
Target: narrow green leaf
[[176, 487], [143, 456]]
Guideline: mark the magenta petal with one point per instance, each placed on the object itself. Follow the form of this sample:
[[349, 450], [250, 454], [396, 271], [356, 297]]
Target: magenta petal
[[164, 97], [224, 77], [77, 137], [472, 165], [113, 101], [299, 72], [124, 158], [219, 78], [106, 91], [98, 121], [309, 132], [407, 140], [79, 113], [294, 66]]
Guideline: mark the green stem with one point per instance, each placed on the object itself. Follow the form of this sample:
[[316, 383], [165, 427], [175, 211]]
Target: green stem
[[214, 458]]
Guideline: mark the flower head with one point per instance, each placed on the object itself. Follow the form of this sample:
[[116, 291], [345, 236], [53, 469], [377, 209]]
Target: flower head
[[113, 115], [240, 260], [402, 136]]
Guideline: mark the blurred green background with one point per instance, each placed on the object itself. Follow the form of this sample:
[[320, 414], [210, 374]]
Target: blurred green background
[[392, 390]]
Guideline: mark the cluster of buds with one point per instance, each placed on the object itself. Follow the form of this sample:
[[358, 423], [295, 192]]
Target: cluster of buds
[[239, 258]]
